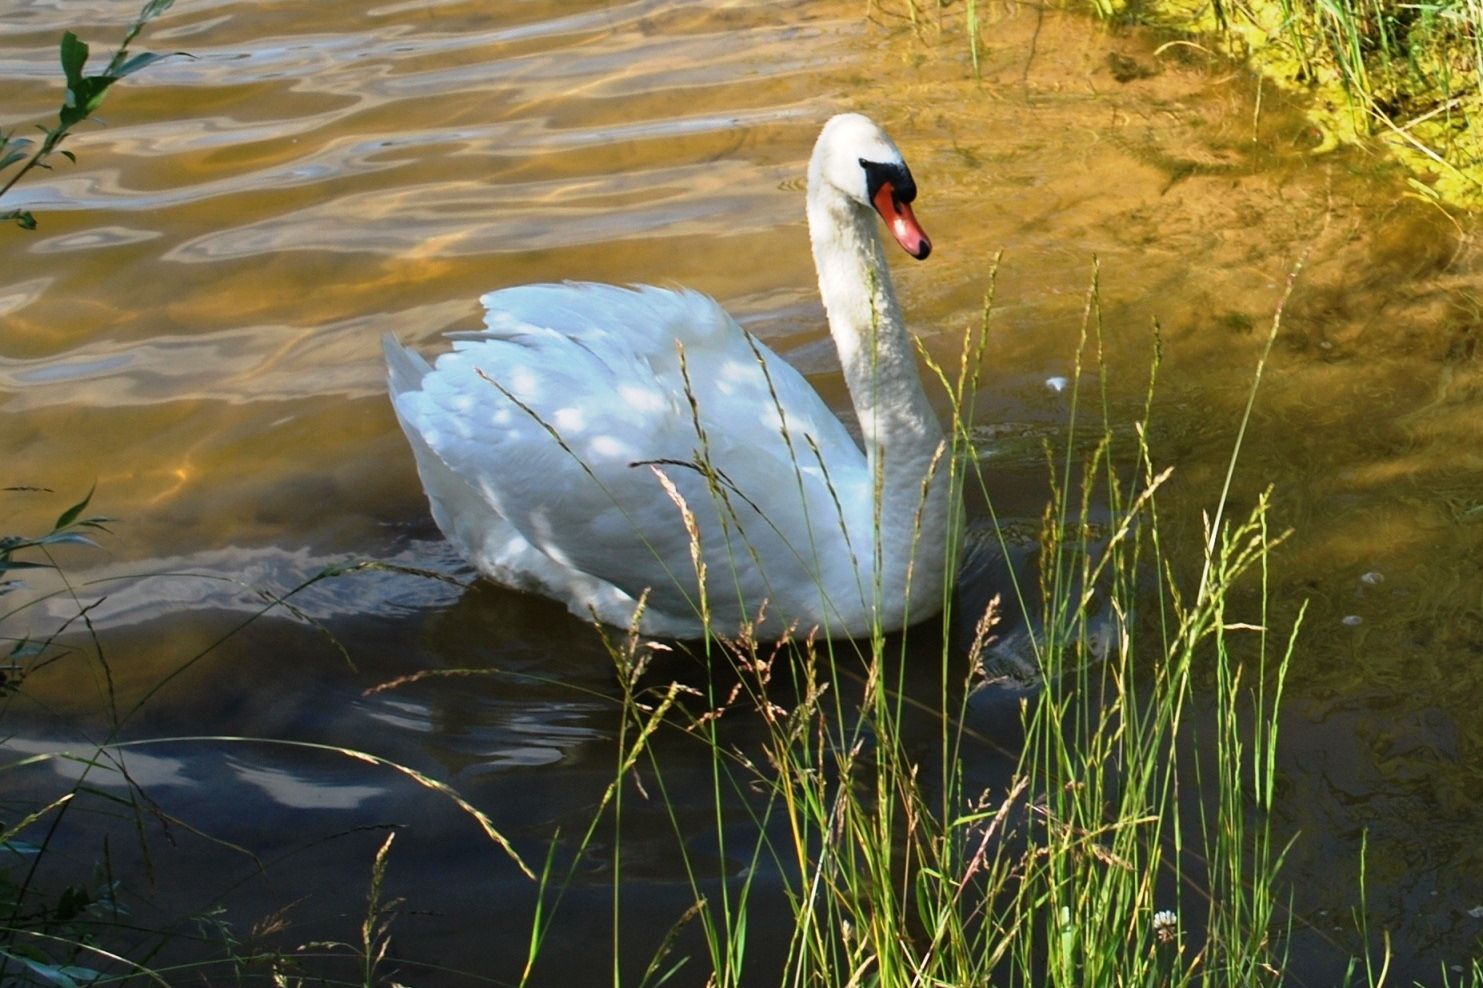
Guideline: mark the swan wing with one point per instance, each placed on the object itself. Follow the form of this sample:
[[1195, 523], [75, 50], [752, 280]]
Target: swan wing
[[558, 415], [654, 326]]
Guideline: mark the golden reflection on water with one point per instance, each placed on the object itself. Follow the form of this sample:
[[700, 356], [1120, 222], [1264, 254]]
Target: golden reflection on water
[[196, 324]]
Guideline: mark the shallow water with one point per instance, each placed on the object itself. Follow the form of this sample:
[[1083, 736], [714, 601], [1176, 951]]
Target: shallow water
[[196, 327]]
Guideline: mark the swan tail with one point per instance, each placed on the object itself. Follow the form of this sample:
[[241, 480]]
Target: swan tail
[[405, 368]]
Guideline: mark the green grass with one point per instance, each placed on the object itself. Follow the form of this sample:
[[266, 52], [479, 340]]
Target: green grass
[[1409, 73], [1401, 74], [1133, 842]]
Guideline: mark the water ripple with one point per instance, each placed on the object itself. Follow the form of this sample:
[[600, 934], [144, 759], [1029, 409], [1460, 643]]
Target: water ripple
[[252, 364]]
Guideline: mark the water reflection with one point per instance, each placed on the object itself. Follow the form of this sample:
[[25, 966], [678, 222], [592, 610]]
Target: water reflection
[[250, 364], [512, 218], [114, 770], [295, 791]]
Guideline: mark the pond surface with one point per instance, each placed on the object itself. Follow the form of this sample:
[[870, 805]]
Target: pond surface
[[196, 326]]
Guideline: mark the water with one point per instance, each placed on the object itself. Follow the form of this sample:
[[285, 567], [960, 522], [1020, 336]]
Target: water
[[195, 327]]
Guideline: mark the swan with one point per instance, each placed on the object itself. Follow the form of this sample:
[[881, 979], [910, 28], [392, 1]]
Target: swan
[[605, 445]]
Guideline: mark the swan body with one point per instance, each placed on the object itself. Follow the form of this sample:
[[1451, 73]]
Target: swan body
[[600, 445]]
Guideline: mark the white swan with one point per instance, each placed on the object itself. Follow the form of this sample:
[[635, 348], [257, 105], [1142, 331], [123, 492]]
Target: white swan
[[547, 442]]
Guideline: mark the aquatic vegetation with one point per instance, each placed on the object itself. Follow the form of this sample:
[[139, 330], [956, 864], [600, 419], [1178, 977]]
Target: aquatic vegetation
[[1129, 844]]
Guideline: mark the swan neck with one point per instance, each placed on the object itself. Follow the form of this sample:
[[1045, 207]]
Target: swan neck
[[875, 350], [906, 516]]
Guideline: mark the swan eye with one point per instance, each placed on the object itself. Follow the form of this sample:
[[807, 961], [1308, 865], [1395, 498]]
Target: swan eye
[[893, 173]]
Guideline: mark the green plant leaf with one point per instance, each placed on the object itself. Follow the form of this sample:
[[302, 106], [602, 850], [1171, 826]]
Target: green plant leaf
[[70, 537], [26, 648], [132, 65], [66, 975], [149, 12], [22, 217], [6, 565], [70, 515], [84, 98], [12, 158], [74, 57]]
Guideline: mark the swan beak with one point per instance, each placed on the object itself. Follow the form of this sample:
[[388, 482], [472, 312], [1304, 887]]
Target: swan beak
[[902, 222]]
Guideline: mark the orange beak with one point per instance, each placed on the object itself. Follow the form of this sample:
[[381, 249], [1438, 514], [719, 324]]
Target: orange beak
[[901, 222]]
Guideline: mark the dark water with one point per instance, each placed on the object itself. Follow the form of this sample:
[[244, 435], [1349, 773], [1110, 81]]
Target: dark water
[[196, 324]]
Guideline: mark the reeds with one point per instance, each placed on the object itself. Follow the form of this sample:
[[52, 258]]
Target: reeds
[[1132, 842]]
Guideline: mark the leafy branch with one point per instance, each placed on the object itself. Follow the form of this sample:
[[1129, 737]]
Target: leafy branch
[[84, 95]]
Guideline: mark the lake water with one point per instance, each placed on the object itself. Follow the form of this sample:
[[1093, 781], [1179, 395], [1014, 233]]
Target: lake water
[[195, 327]]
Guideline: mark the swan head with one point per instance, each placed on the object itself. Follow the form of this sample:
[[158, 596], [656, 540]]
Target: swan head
[[856, 158]]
